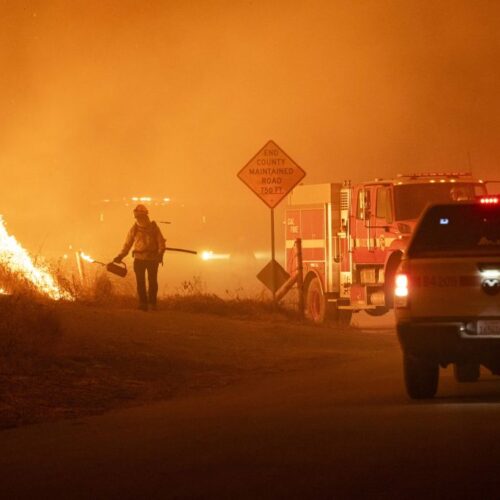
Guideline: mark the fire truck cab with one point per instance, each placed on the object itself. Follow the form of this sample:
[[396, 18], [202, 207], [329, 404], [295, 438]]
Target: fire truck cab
[[353, 237]]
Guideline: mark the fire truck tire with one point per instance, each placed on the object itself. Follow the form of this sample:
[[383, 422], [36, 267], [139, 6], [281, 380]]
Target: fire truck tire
[[466, 372], [319, 310], [421, 377], [316, 303]]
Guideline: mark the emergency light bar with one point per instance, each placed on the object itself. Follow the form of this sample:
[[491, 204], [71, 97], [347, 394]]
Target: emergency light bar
[[489, 200], [437, 174]]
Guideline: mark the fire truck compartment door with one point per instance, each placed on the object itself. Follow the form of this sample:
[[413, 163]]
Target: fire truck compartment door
[[364, 237]]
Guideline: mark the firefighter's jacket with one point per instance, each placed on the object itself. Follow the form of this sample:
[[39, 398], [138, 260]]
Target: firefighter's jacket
[[147, 240]]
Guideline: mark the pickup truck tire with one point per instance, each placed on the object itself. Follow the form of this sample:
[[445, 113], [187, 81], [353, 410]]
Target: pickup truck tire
[[421, 377], [466, 372]]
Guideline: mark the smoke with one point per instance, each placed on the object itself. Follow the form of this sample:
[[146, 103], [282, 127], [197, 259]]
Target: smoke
[[115, 99]]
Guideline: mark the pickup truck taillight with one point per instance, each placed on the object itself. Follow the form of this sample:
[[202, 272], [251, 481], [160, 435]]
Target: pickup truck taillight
[[489, 200], [401, 291]]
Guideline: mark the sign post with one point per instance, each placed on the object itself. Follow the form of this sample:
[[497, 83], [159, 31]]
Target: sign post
[[271, 174], [273, 253]]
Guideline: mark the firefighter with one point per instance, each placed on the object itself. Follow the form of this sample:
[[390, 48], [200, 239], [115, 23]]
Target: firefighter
[[149, 245]]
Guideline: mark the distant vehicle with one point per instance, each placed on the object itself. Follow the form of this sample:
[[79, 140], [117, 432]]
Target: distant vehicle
[[353, 237], [447, 295]]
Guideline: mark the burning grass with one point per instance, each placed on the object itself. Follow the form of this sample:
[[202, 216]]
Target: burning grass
[[20, 273], [19, 267]]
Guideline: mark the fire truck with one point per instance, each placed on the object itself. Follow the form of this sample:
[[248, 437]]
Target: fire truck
[[353, 237]]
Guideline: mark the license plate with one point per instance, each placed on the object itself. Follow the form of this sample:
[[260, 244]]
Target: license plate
[[488, 327]]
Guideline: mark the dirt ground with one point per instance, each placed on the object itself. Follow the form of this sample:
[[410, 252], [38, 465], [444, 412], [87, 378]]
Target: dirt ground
[[116, 358]]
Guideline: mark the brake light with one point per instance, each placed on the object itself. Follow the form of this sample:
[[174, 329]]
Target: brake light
[[401, 291], [489, 200], [401, 285]]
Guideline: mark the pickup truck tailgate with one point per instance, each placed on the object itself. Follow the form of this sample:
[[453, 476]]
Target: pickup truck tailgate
[[452, 287]]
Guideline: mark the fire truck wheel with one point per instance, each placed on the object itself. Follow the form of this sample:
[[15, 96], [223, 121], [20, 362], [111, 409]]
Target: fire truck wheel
[[316, 304], [421, 377], [319, 310]]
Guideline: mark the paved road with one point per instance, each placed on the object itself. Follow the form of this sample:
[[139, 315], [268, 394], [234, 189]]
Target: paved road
[[343, 430]]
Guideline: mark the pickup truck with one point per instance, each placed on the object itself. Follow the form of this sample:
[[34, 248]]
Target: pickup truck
[[447, 295]]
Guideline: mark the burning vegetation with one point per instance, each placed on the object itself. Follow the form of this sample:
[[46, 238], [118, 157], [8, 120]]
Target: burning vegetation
[[18, 269]]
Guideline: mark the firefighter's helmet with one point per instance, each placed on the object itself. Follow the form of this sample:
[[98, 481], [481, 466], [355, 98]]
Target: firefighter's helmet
[[141, 210]]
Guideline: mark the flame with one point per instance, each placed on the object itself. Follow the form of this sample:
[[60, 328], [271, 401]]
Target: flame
[[17, 260], [86, 257]]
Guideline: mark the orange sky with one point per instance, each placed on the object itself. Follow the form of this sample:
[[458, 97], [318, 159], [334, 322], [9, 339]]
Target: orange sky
[[112, 98]]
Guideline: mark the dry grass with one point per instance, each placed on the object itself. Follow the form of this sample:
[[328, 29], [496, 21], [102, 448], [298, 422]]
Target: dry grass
[[87, 360], [29, 325], [190, 297], [29, 332], [62, 359], [240, 308]]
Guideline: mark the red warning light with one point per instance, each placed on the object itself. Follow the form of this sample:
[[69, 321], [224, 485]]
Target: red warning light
[[489, 200]]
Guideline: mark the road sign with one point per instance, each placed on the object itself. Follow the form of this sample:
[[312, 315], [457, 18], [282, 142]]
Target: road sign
[[271, 174], [273, 276]]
